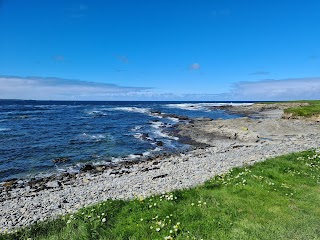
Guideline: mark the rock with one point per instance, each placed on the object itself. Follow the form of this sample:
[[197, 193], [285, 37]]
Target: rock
[[100, 168], [204, 119], [61, 160], [159, 143], [144, 136], [160, 176], [87, 167], [10, 183], [52, 184], [182, 118]]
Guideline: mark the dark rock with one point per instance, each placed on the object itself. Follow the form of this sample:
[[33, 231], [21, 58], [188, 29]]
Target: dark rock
[[160, 176], [204, 119], [182, 118], [159, 143], [155, 112], [9, 184], [61, 160], [144, 136], [87, 167]]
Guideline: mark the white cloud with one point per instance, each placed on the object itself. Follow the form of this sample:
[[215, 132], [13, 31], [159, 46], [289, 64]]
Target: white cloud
[[284, 89], [260, 73], [60, 89], [63, 89]]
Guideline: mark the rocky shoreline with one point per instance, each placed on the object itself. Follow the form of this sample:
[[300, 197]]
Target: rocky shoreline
[[219, 146]]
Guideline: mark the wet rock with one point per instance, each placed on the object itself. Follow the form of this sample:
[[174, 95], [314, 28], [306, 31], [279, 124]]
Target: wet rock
[[9, 183], [183, 118], [144, 136], [61, 160], [87, 167], [159, 143]]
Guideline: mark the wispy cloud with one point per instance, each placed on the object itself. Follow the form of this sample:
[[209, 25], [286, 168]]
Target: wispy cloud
[[313, 58], [61, 89], [39, 88], [195, 66], [59, 58], [260, 73], [283, 89], [79, 10], [220, 12], [122, 59]]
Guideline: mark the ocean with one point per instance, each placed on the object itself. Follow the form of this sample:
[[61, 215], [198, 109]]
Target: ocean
[[39, 138]]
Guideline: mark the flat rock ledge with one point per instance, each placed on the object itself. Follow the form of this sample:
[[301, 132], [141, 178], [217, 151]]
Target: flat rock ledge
[[229, 144]]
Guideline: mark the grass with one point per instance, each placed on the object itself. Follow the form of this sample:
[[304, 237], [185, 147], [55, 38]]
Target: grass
[[275, 199], [313, 109]]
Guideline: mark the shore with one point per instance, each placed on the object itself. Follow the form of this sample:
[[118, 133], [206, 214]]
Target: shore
[[222, 145]]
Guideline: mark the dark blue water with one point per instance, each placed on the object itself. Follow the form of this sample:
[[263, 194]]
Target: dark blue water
[[35, 133]]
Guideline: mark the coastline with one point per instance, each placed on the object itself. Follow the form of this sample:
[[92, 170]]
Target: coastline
[[223, 144]]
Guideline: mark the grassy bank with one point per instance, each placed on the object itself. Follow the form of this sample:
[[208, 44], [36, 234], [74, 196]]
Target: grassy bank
[[275, 199], [312, 109]]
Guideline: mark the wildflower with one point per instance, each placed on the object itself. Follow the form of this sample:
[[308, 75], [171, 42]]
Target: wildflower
[[103, 220], [168, 238], [157, 229], [69, 221], [192, 204]]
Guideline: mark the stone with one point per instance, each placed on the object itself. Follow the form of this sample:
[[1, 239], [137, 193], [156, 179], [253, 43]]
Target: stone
[[61, 160], [159, 143], [87, 167], [52, 184]]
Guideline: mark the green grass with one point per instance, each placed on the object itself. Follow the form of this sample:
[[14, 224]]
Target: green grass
[[313, 109], [275, 199], [305, 111]]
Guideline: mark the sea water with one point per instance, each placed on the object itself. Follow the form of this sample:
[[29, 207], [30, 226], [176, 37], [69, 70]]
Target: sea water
[[35, 134]]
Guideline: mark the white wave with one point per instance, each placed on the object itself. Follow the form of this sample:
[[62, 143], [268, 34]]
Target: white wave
[[173, 119], [138, 135], [5, 129], [132, 109], [157, 125], [93, 137], [203, 106], [97, 113], [164, 135], [136, 128]]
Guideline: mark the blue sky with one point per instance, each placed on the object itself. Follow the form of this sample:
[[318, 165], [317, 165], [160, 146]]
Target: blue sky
[[160, 49]]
